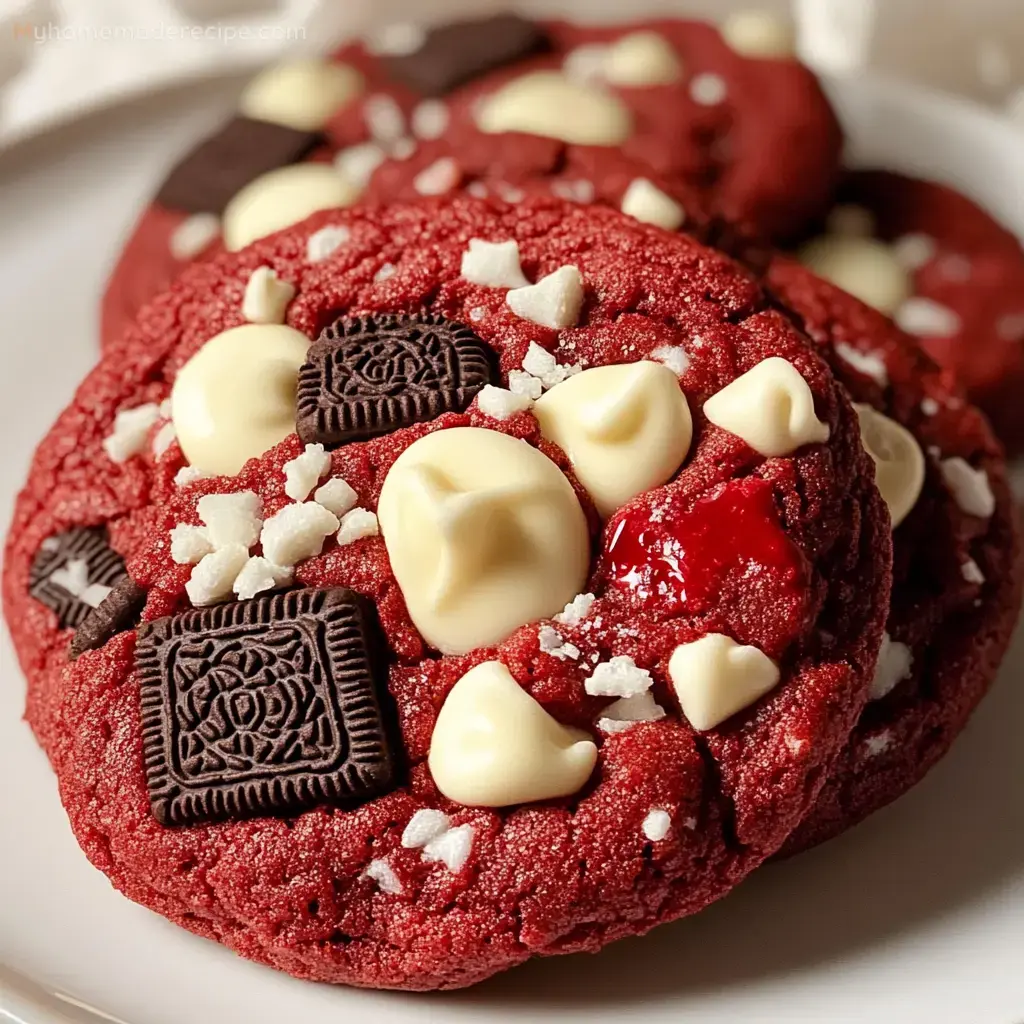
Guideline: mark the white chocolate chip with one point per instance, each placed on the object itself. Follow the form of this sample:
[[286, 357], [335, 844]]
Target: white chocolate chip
[[297, 532], [484, 534], [381, 872], [549, 104], [357, 524], [646, 202], [770, 407], [163, 439], [852, 220], [440, 177], [554, 301], [302, 94], [626, 428], [194, 234], [899, 461], [305, 471], [927, 318], [624, 713], [258, 575], [426, 824], [190, 544], [864, 267], [868, 363], [642, 59], [576, 610], [235, 398], [914, 250], [674, 357], [131, 428], [266, 297], [430, 119], [452, 848], [708, 89], [500, 404], [522, 383], [493, 264], [336, 496], [214, 576], [656, 825], [759, 34], [971, 572], [384, 119], [618, 677], [326, 241], [894, 664], [356, 164], [231, 518], [493, 745], [586, 64], [715, 677], [969, 486]]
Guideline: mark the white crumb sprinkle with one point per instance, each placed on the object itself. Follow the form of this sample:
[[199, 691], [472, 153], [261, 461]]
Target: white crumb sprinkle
[[266, 297], [430, 119], [894, 664], [357, 524], [231, 518], [190, 544], [131, 427], [501, 404], [868, 363], [477, 189], [380, 872], [618, 677], [477, 313], [493, 264], [522, 383], [189, 475], [327, 240], [926, 318], [213, 577], [969, 486], [690, 823], [972, 572], [164, 438], [674, 357], [260, 574], [576, 610], [708, 89], [878, 744], [579, 191], [440, 177], [337, 496], [624, 713], [929, 406], [384, 118], [552, 642], [424, 825], [194, 234], [794, 744], [386, 272], [510, 193], [657, 824], [554, 301], [356, 164], [305, 471], [451, 848], [540, 363], [297, 532], [403, 148], [913, 251]]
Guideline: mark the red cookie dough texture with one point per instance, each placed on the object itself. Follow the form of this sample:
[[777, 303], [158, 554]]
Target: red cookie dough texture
[[956, 574], [368, 895], [745, 141]]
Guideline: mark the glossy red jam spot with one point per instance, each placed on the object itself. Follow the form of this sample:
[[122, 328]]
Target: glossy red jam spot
[[726, 556]]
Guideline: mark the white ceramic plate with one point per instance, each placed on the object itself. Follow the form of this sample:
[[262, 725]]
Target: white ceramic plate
[[917, 915]]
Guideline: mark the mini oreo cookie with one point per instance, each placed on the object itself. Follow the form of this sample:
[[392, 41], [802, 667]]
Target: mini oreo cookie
[[458, 52], [118, 611], [371, 375], [72, 573], [223, 163], [263, 707]]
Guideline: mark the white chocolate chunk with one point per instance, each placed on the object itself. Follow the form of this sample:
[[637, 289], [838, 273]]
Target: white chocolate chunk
[[618, 677], [552, 642], [484, 534], [326, 241], [868, 363], [494, 745], [646, 202], [424, 825], [640, 59], [500, 404], [381, 872], [357, 524], [770, 407], [576, 610], [213, 578], [336, 496], [194, 234], [915, 250], [235, 398], [554, 301], [552, 105], [438, 178], [969, 486], [283, 197], [522, 383], [356, 164], [297, 532], [864, 267], [625, 712], [708, 89], [899, 461], [430, 119], [163, 439], [894, 664], [189, 475], [190, 544], [266, 297], [451, 848], [300, 94], [493, 264], [231, 518], [715, 677], [305, 471], [656, 825], [760, 34], [625, 428], [260, 574], [131, 428], [971, 572], [926, 318]]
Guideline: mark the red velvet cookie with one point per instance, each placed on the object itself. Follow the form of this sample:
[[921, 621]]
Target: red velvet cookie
[[727, 123], [378, 777], [956, 560], [956, 283]]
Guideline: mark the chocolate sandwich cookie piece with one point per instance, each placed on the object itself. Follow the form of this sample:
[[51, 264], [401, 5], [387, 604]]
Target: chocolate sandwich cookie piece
[[375, 374], [207, 178], [267, 706], [73, 572], [118, 611]]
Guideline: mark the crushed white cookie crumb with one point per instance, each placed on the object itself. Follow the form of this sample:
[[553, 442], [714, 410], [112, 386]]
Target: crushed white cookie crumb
[[625, 712], [164, 438], [189, 475], [477, 313], [380, 871], [131, 427], [552, 642], [384, 118], [708, 89], [336, 496], [305, 471], [190, 544], [576, 610], [430, 119], [438, 178], [297, 532], [327, 240], [510, 193], [969, 487], [500, 404], [260, 574], [493, 264], [972, 572], [424, 825], [403, 148], [194, 234], [357, 524], [579, 191], [73, 577], [451, 848], [868, 363], [386, 272], [618, 677], [522, 383], [926, 318], [231, 518], [356, 164], [266, 297], [646, 202], [554, 301], [894, 664], [213, 577], [929, 406], [657, 824], [674, 357], [540, 363], [877, 744], [913, 251], [477, 189]]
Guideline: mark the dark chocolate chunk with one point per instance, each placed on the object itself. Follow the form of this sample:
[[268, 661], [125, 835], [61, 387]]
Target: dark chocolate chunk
[[206, 179], [72, 573], [263, 707], [372, 375], [458, 52], [118, 611]]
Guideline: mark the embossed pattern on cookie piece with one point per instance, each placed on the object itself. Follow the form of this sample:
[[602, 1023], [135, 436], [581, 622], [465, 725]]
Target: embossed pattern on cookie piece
[[118, 611], [263, 707]]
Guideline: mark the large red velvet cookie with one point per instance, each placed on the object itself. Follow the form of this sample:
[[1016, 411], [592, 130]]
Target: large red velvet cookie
[[956, 560], [605, 767], [728, 123], [954, 278]]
